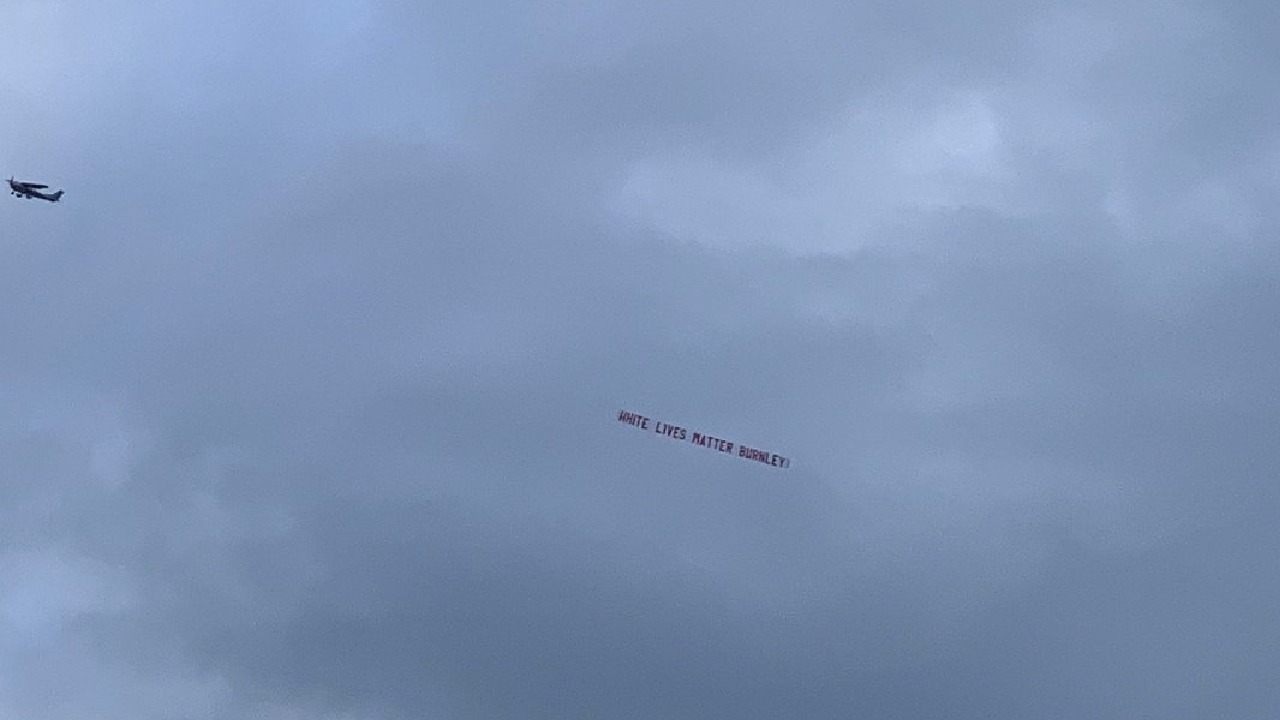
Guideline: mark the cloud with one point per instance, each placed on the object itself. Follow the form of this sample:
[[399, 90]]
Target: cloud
[[339, 439]]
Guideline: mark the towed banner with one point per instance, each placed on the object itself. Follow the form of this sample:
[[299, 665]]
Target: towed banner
[[675, 432]]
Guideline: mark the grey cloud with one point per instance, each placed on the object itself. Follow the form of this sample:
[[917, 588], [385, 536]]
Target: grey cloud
[[490, 581], [368, 416]]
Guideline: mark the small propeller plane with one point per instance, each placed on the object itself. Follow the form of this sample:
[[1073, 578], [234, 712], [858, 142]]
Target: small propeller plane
[[29, 190]]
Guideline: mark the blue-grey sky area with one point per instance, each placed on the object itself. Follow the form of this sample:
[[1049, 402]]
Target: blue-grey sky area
[[310, 382]]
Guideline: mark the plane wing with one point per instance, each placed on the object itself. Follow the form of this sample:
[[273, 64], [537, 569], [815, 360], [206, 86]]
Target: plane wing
[[33, 186]]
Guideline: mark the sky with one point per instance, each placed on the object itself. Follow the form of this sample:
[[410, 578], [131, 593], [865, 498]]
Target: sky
[[310, 383]]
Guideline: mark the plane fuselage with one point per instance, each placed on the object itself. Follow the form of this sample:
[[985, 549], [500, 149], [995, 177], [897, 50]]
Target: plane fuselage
[[25, 190]]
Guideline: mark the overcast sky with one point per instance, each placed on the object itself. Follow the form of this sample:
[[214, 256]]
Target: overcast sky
[[310, 382]]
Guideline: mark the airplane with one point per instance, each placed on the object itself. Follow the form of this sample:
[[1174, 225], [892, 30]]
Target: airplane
[[29, 190]]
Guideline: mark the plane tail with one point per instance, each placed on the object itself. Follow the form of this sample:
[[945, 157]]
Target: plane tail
[[57, 196]]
